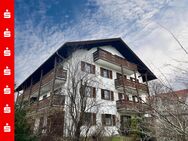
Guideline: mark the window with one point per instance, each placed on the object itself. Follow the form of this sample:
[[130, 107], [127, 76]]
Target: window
[[108, 120], [86, 67], [90, 91], [135, 99], [60, 100], [107, 95], [118, 75], [89, 119], [44, 96], [133, 79], [122, 96], [130, 98], [106, 73], [57, 91]]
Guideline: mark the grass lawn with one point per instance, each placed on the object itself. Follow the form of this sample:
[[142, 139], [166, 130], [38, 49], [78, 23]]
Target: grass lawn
[[121, 138]]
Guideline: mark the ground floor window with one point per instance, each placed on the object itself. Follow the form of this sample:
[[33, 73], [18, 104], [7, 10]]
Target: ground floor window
[[108, 120], [89, 119]]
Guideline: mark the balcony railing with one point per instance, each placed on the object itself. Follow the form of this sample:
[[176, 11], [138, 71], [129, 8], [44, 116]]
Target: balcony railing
[[130, 106], [114, 59], [60, 74], [123, 82], [57, 100]]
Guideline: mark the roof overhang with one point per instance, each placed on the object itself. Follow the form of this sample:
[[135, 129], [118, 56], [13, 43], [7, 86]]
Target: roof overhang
[[66, 49]]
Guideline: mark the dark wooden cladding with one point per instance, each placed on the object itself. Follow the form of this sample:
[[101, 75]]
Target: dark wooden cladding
[[35, 87], [26, 94], [128, 83], [114, 59], [48, 77], [58, 100], [131, 106], [61, 73]]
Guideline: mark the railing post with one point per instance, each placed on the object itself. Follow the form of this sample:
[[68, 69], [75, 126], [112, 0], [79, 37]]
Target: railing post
[[17, 102], [146, 79], [136, 83], [22, 97], [30, 90], [40, 84], [53, 81], [123, 79]]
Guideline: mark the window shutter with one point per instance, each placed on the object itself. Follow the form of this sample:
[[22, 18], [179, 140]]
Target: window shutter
[[101, 71], [120, 96], [94, 119], [114, 120], [126, 97], [103, 119], [81, 91], [94, 92], [93, 69], [82, 66], [102, 94], [110, 74], [112, 96]]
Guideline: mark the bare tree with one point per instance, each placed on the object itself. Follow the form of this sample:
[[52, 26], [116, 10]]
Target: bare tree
[[169, 110], [81, 105]]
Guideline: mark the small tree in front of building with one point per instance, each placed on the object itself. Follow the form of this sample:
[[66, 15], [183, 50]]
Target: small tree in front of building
[[22, 128]]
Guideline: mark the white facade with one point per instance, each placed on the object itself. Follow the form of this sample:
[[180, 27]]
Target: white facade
[[73, 63], [107, 106]]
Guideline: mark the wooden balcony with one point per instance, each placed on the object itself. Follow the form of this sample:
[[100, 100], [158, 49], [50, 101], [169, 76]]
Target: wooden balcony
[[61, 74], [126, 106], [61, 77], [107, 59], [120, 83], [58, 100]]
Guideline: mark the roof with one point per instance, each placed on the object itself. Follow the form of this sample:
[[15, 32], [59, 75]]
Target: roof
[[178, 93], [68, 47], [172, 95]]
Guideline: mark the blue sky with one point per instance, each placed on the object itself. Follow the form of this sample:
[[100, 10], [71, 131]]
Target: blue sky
[[42, 26]]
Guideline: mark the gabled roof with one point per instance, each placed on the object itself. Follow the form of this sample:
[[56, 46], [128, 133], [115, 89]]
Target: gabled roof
[[68, 47]]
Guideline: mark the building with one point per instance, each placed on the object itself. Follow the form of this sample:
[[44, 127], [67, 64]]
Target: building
[[117, 84], [171, 112]]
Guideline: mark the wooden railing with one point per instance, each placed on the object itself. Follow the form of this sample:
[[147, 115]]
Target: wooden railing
[[58, 100], [120, 82], [60, 74], [131, 105], [114, 59]]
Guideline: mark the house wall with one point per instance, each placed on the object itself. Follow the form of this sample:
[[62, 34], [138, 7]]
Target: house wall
[[107, 106]]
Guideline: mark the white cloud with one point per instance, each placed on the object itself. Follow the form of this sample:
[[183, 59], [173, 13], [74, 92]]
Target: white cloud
[[134, 21]]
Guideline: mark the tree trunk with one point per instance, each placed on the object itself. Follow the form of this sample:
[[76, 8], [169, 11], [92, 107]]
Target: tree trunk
[[77, 134]]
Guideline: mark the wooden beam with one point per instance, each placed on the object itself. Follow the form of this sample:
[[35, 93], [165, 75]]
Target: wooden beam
[[30, 90], [123, 79], [136, 83], [53, 81], [22, 97], [40, 84], [17, 102], [146, 79]]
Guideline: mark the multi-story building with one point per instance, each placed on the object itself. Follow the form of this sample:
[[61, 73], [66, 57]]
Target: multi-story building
[[117, 83]]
